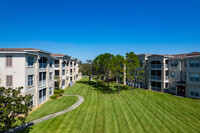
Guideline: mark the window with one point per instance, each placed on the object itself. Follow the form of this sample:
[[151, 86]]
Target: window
[[50, 76], [8, 61], [194, 77], [31, 101], [174, 63], [63, 82], [9, 80], [30, 60], [42, 78], [57, 72], [63, 72], [50, 63], [50, 91], [30, 80], [194, 92], [194, 63], [173, 74], [173, 88]]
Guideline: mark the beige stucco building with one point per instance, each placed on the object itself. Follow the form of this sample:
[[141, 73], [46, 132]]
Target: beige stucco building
[[177, 74], [34, 70]]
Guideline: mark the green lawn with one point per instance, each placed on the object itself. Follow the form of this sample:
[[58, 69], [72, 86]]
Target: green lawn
[[135, 110], [52, 106]]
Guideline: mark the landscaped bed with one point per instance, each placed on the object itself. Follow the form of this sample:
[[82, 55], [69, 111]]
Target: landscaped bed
[[135, 110]]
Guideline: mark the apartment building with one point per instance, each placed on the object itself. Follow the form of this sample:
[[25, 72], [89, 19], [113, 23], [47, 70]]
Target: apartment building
[[34, 70], [177, 74], [30, 68], [61, 70]]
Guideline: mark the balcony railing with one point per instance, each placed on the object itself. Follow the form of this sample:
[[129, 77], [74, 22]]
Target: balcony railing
[[155, 88], [166, 66], [42, 65], [166, 77], [63, 76], [67, 75], [42, 82], [155, 65], [56, 65], [70, 73], [156, 77], [63, 65]]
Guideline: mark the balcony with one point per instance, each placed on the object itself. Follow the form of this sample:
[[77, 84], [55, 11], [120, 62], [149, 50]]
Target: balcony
[[70, 73], [42, 65], [67, 75], [155, 65], [166, 66], [63, 76], [42, 82], [156, 77], [166, 77], [57, 65]]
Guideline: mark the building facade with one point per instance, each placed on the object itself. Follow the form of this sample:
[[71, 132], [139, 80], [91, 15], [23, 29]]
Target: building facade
[[177, 74], [34, 70]]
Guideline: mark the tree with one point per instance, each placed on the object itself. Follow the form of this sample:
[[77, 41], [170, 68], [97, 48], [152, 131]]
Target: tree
[[118, 71], [132, 63], [104, 65], [87, 69], [13, 106]]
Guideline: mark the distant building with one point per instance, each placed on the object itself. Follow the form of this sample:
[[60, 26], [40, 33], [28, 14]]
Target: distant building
[[178, 74]]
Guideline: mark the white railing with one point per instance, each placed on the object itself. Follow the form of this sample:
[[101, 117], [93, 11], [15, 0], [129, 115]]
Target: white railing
[[56, 65], [42, 82], [63, 76], [42, 65]]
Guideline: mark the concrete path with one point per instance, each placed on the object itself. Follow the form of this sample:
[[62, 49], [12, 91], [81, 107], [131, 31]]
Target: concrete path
[[80, 101]]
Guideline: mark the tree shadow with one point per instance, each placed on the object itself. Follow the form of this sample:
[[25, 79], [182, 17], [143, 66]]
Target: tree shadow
[[103, 88]]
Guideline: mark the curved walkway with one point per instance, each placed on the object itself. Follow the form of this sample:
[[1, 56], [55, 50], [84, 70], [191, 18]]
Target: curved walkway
[[80, 101]]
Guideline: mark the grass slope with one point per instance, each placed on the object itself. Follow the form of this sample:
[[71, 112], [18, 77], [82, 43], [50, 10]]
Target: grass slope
[[135, 110], [52, 106]]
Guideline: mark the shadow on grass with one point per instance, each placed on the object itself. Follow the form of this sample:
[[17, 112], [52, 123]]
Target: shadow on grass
[[103, 87]]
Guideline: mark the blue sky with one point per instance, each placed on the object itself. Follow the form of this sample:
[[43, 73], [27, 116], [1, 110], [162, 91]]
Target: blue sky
[[86, 28]]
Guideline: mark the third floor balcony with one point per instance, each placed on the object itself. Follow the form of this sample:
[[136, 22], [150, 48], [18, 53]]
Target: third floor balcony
[[155, 65]]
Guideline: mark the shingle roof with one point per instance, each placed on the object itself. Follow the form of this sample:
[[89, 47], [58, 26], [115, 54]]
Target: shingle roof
[[17, 49], [55, 55], [73, 59]]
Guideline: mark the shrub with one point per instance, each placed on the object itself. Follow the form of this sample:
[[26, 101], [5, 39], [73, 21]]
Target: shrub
[[62, 91], [55, 96], [56, 91]]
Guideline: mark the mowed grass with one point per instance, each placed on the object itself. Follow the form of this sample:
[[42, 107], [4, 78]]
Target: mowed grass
[[52, 106], [135, 110]]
